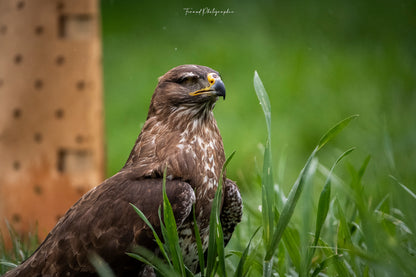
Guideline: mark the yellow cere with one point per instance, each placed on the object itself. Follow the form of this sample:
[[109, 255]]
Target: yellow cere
[[211, 78]]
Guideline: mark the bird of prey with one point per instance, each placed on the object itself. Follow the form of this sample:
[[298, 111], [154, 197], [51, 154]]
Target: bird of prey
[[180, 135]]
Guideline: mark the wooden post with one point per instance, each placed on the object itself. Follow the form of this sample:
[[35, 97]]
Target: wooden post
[[51, 110]]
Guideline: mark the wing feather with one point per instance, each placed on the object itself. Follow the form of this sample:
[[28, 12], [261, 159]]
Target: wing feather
[[103, 221]]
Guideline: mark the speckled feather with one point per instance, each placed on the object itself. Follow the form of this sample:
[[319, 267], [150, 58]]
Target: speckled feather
[[180, 134]]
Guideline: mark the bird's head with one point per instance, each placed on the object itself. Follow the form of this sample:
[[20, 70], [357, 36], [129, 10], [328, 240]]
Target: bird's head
[[192, 88]]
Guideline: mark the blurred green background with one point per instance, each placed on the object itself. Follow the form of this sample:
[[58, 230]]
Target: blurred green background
[[320, 61]]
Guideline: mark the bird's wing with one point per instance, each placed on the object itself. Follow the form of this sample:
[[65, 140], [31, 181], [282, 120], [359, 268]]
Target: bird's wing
[[232, 209], [103, 221]]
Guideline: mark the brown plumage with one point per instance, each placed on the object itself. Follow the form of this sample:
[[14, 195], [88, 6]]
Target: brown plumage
[[180, 134]]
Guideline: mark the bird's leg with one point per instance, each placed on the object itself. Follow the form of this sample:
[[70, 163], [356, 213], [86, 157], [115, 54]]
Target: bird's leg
[[232, 209]]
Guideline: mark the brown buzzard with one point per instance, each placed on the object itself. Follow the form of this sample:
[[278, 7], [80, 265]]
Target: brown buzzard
[[180, 134]]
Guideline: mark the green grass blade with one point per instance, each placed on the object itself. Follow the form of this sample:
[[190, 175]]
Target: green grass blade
[[337, 261], [17, 246], [344, 234], [212, 248], [264, 100], [268, 196], [291, 241], [323, 207], [335, 130], [228, 161], [395, 221], [144, 218], [220, 248], [324, 200], [240, 267], [251, 261], [409, 191], [212, 243], [148, 257], [289, 207], [199, 244], [171, 233], [8, 264], [102, 268], [268, 268], [363, 168], [268, 193], [216, 237], [158, 241], [218, 234]]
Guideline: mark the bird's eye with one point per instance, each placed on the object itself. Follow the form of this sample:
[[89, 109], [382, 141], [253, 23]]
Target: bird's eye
[[187, 80]]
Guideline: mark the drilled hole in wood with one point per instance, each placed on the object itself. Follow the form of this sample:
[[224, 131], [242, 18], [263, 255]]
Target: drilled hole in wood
[[59, 113], [16, 165], [60, 6], [76, 26], [39, 30], [38, 84], [81, 85], [17, 113], [20, 5], [18, 59], [3, 29], [60, 60], [16, 218], [38, 137], [73, 161], [60, 165], [79, 139], [37, 189]]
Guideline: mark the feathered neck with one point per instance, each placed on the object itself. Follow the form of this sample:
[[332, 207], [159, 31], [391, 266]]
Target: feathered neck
[[173, 138]]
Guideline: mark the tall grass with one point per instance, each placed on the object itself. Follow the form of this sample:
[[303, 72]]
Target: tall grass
[[21, 248], [273, 231]]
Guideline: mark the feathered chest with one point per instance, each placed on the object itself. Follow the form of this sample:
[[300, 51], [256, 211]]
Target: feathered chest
[[202, 158], [193, 152]]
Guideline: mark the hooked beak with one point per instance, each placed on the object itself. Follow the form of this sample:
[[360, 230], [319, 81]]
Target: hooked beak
[[216, 86], [219, 88]]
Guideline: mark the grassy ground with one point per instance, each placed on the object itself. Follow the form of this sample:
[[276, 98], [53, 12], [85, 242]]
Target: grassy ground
[[320, 63]]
